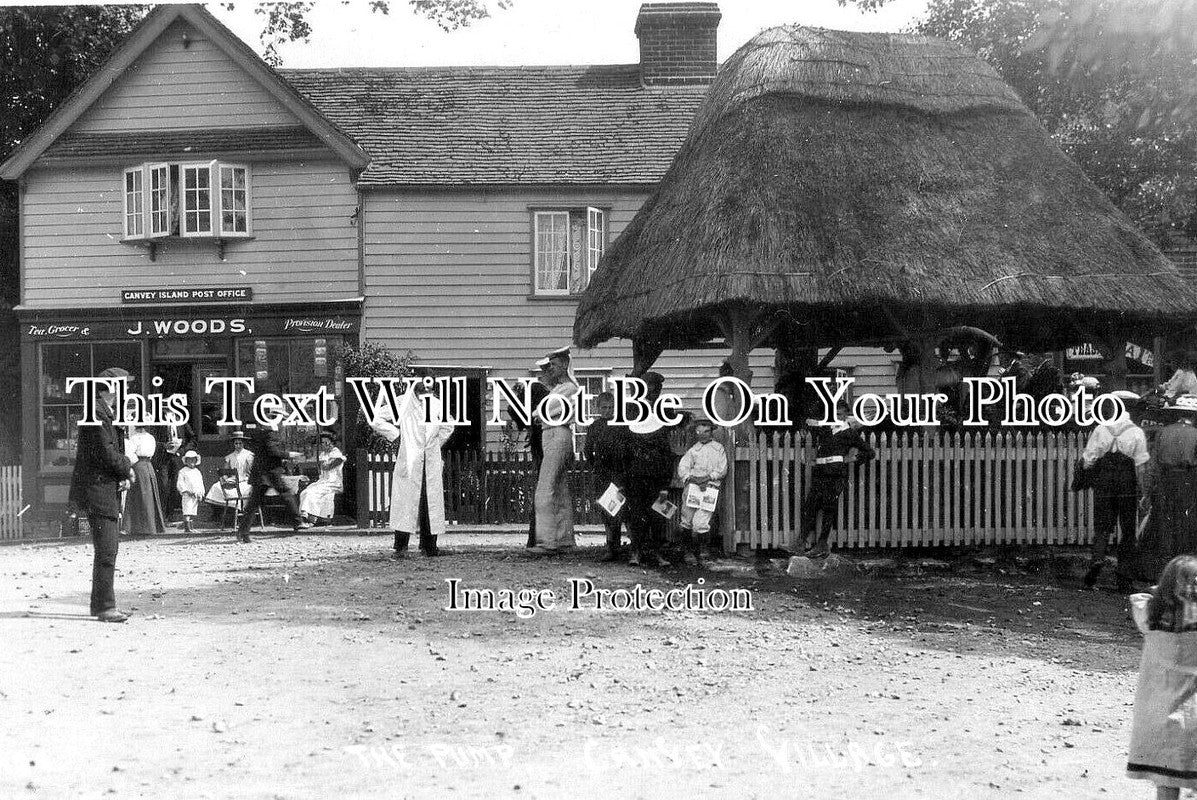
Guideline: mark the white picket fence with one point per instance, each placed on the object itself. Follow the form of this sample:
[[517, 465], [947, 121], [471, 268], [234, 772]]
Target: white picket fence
[[923, 490], [12, 502]]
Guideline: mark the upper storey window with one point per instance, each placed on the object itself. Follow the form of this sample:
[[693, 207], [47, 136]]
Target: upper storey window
[[208, 200]]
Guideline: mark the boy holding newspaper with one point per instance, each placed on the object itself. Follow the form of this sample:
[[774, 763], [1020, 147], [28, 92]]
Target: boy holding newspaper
[[701, 469]]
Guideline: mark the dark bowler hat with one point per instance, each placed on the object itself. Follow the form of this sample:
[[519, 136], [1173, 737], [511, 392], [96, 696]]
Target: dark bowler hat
[[653, 377]]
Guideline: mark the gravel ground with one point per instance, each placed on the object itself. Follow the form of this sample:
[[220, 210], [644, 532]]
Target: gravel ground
[[318, 667]]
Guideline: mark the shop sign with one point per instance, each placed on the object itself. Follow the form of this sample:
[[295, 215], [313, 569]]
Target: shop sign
[[189, 327], [226, 295]]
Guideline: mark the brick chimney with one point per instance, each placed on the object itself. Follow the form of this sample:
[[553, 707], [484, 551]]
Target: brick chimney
[[677, 43]]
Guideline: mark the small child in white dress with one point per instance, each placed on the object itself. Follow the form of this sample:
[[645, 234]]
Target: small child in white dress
[[191, 487]]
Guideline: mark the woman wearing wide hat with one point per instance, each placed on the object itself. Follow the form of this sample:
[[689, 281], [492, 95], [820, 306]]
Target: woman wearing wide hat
[[241, 460]]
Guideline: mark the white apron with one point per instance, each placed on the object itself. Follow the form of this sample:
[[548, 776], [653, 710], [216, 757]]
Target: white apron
[[419, 460]]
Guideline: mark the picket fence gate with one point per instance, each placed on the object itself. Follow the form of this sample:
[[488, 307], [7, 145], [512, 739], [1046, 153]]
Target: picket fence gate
[[922, 489], [12, 503]]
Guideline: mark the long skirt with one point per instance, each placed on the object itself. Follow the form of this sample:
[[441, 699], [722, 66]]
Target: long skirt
[[143, 505], [318, 499], [1163, 746], [554, 505], [1174, 516]]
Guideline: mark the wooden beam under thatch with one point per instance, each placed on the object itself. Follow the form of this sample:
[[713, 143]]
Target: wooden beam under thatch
[[868, 186]]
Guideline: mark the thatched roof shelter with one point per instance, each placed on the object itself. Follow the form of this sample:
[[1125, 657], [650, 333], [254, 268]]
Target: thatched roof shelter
[[863, 187]]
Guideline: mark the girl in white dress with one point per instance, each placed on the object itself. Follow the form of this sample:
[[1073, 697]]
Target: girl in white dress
[[316, 501], [191, 487]]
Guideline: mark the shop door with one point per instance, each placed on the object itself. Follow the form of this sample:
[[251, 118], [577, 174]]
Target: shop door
[[187, 378]]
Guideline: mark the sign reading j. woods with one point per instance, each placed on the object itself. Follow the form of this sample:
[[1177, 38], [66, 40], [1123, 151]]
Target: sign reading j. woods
[[226, 295], [182, 327]]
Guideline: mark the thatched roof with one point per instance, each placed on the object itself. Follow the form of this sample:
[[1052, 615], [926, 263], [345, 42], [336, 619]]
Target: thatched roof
[[862, 185]]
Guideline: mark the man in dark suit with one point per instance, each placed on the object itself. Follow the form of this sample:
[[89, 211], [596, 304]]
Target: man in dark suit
[[267, 473], [102, 472]]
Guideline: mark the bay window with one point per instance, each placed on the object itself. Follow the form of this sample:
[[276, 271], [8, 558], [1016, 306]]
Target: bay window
[[204, 200]]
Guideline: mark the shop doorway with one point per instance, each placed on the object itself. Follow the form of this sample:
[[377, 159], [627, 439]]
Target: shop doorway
[[187, 378]]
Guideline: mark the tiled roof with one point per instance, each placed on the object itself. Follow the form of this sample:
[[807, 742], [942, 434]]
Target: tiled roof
[[505, 125], [160, 144]]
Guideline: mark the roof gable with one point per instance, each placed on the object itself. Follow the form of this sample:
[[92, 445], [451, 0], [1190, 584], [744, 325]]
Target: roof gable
[[282, 97]]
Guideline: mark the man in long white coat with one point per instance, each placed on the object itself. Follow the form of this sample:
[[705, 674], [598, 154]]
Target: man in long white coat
[[417, 483]]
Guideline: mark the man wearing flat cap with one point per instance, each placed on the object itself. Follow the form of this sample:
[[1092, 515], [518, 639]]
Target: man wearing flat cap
[[102, 472]]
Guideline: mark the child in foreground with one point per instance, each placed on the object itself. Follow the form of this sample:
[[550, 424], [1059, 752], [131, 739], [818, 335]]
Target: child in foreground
[[1163, 745], [190, 484], [704, 465]]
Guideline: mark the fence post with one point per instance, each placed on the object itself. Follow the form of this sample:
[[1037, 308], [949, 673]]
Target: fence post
[[363, 488]]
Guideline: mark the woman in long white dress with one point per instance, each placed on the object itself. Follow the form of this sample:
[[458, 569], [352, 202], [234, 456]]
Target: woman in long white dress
[[317, 500], [241, 460], [554, 503]]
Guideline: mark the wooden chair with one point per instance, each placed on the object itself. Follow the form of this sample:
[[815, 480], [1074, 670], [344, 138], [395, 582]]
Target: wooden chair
[[230, 490]]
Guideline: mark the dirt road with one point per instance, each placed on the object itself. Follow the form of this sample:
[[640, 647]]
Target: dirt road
[[317, 667]]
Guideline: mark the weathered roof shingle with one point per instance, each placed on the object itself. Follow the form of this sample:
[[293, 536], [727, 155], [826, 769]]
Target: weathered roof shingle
[[504, 125]]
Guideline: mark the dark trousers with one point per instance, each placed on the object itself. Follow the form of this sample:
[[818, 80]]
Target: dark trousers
[[823, 497], [614, 526], [645, 526], [105, 536], [1110, 510], [427, 540], [269, 480], [168, 477]]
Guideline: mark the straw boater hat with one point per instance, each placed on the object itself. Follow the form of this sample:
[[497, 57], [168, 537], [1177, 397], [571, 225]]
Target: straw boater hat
[[237, 434]]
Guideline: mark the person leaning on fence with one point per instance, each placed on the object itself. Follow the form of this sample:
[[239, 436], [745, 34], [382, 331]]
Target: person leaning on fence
[[1162, 746], [703, 467], [1173, 528], [833, 448], [102, 471], [1117, 455]]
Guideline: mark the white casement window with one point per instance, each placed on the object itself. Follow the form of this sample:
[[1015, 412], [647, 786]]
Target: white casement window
[[552, 252], [234, 199], [567, 246], [596, 238], [134, 203], [161, 203], [198, 206], [211, 200]]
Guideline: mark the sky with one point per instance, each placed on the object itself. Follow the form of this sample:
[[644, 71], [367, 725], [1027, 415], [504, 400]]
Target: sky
[[532, 31]]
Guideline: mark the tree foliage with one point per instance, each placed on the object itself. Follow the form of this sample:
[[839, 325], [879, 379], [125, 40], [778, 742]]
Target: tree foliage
[[1106, 89]]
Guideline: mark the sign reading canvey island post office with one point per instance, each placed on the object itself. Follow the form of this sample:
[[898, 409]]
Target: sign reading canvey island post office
[[227, 295]]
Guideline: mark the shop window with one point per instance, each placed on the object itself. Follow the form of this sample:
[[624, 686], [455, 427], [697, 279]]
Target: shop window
[[209, 200], [62, 410], [566, 247], [288, 366]]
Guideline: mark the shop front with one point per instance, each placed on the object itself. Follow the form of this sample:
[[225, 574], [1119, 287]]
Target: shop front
[[173, 349]]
